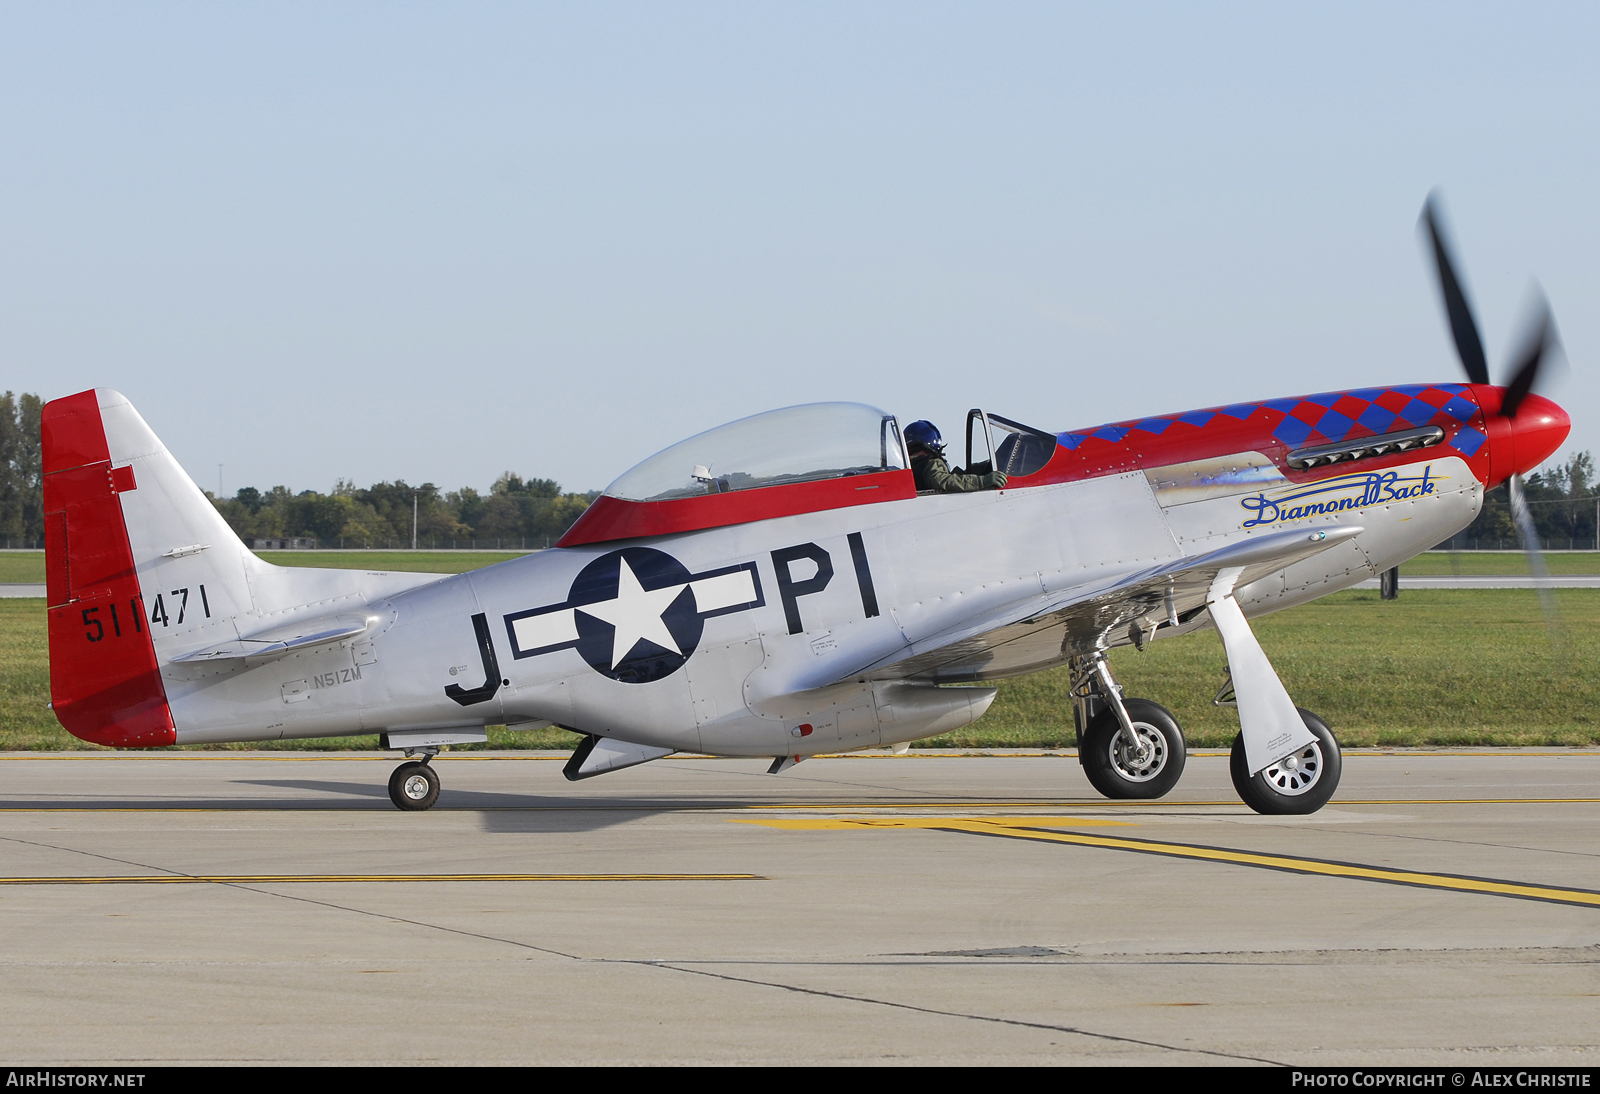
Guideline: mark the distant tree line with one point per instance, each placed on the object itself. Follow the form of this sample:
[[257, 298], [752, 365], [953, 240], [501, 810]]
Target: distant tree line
[[1561, 500], [21, 493], [516, 512]]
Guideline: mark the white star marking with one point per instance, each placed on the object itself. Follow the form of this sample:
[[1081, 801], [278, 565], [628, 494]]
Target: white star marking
[[635, 614]]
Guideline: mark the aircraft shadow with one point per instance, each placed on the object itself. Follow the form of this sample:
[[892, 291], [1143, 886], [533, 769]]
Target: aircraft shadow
[[499, 812], [376, 791]]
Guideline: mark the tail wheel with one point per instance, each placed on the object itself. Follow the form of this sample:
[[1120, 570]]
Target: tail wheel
[[414, 786], [1121, 768], [1300, 783]]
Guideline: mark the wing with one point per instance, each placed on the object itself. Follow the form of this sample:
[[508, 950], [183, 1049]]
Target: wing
[[1046, 629]]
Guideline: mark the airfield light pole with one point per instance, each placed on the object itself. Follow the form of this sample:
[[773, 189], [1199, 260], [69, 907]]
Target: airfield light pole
[[413, 520]]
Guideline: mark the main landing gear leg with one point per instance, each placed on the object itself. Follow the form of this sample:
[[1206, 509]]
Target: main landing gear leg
[[1129, 748], [414, 786]]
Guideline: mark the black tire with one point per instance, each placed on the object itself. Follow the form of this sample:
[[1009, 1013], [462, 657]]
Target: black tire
[[1106, 757], [1283, 789], [414, 786]]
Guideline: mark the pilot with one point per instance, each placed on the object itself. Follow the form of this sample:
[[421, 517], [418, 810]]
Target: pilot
[[932, 473]]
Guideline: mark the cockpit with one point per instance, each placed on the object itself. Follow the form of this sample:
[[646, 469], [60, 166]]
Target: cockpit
[[797, 444], [1022, 449], [801, 459]]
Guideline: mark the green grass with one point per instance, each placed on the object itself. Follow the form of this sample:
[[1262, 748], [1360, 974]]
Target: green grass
[[25, 680], [1436, 667], [1497, 563], [426, 562], [21, 567]]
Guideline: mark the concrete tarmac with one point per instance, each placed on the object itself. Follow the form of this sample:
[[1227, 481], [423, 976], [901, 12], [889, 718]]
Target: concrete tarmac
[[958, 909]]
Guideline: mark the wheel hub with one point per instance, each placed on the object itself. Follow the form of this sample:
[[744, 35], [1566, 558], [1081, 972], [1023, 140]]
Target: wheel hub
[[1142, 759], [1296, 773], [416, 788]]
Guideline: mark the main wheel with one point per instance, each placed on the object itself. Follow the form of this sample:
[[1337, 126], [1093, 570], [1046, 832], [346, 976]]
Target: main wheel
[[1297, 784], [1117, 767], [414, 786]]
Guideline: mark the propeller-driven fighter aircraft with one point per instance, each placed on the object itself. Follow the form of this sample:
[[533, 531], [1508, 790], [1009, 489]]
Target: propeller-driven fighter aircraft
[[738, 597]]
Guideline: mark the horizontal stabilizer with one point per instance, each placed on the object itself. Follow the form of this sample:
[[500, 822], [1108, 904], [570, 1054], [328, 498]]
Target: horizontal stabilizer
[[280, 641]]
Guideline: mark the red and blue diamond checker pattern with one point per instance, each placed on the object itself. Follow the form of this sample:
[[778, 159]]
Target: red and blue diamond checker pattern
[[1329, 418]]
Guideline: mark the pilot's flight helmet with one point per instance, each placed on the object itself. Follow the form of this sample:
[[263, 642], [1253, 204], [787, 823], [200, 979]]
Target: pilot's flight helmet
[[924, 433]]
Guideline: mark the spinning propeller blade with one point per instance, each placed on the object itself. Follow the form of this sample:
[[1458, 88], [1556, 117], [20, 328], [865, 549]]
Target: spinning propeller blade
[[1469, 346], [1523, 519], [1537, 344]]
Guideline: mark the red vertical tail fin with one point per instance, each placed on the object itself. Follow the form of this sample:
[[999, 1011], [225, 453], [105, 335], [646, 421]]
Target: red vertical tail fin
[[105, 684]]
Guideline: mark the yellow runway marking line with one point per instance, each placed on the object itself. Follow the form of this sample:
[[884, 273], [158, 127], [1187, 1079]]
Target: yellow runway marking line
[[1469, 801], [278, 879], [1162, 804], [1486, 753], [1323, 867], [843, 806], [258, 757], [801, 824]]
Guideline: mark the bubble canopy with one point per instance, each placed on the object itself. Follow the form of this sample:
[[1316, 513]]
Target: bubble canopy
[[796, 444]]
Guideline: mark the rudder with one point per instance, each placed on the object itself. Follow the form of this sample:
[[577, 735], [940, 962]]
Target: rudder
[[105, 685]]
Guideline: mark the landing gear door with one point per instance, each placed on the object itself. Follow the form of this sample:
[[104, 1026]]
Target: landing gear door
[[980, 442]]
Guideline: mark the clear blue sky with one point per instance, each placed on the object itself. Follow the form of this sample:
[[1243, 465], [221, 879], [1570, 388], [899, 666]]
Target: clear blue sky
[[439, 241]]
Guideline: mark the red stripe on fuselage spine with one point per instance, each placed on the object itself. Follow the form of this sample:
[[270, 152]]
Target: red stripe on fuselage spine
[[611, 518], [105, 685]]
